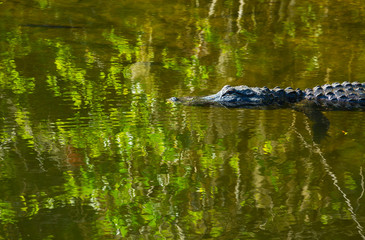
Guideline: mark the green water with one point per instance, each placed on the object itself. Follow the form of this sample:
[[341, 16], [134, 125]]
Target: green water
[[91, 149]]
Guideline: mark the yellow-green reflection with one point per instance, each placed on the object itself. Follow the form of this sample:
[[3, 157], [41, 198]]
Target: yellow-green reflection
[[90, 149]]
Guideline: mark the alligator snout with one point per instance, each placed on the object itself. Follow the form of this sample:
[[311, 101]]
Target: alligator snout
[[173, 99]]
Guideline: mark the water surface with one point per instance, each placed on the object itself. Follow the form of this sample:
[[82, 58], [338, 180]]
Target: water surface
[[91, 149]]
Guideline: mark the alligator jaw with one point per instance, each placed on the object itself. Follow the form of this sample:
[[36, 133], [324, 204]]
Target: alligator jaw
[[191, 101]]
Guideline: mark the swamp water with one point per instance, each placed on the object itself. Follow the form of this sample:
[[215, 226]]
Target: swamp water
[[91, 149]]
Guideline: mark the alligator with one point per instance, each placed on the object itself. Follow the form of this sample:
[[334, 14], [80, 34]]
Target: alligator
[[344, 96]]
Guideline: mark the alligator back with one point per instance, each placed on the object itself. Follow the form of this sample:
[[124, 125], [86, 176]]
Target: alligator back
[[336, 96]]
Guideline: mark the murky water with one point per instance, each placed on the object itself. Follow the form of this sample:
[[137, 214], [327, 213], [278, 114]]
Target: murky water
[[91, 149]]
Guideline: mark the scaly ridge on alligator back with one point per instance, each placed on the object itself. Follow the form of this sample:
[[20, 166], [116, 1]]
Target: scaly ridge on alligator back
[[336, 96]]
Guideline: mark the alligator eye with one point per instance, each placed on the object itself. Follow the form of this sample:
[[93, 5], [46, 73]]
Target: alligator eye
[[231, 90], [227, 90]]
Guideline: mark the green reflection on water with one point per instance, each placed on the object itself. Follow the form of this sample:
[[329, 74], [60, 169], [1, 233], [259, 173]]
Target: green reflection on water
[[90, 149]]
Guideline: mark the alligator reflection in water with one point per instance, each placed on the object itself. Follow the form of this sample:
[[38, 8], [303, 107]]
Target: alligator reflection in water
[[329, 97]]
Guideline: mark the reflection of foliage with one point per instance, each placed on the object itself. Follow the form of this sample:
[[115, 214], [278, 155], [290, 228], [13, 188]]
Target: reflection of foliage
[[10, 77], [194, 73], [7, 214], [149, 169], [121, 45]]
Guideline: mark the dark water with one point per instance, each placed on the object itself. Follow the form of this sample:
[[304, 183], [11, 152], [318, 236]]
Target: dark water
[[90, 149]]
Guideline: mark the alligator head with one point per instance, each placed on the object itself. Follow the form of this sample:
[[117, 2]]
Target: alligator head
[[240, 96]]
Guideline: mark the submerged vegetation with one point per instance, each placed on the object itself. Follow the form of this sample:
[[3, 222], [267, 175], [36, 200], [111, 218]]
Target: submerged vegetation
[[91, 149]]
